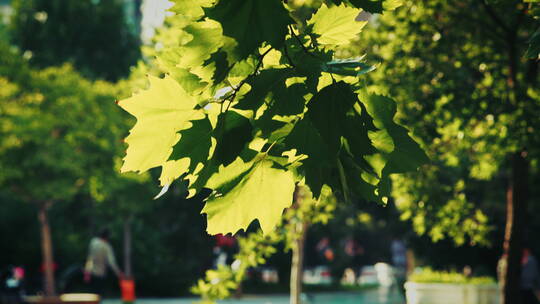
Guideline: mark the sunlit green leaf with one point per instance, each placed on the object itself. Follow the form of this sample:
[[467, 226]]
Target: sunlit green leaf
[[261, 193]]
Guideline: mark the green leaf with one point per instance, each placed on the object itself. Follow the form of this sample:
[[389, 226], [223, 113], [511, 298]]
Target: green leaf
[[309, 66], [233, 132], [252, 22], [289, 100], [268, 126], [194, 143], [305, 138], [356, 183], [211, 167], [219, 59], [206, 38], [190, 8], [189, 82], [161, 111], [263, 84], [356, 131], [336, 25], [407, 154], [327, 110], [260, 193]]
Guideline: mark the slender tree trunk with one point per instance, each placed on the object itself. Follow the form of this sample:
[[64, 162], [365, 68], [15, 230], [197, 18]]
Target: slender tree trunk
[[127, 247], [297, 264], [516, 211], [47, 250]]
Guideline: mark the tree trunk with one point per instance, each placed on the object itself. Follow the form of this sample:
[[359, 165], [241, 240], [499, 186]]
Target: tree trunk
[[127, 247], [516, 210], [297, 264], [47, 250]]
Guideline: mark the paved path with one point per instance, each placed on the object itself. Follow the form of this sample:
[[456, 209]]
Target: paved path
[[373, 296]]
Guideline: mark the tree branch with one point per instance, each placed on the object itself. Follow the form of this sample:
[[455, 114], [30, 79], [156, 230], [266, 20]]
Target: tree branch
[[235, 91]]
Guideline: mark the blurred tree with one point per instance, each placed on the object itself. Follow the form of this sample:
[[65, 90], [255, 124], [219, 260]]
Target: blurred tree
[[59, 133], [79, 170], [92, 35], [466, 88]]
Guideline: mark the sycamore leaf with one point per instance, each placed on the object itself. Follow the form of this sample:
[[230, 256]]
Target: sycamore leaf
[[173, 169], [407, 154], [306, 140], [195, 143], [207, 38], [327, 109], [356, 183], [336, 25], [261, 85], [289, 100], [252, 22], [356, 133], [262, 193], [190, 8], [219, 59], [161, 111], [232, 133], [207, 178]]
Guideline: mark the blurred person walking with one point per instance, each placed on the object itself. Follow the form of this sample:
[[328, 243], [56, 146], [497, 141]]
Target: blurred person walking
[[100, 255]]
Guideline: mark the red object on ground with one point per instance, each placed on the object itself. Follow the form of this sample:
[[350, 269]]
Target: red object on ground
[[127, 286]]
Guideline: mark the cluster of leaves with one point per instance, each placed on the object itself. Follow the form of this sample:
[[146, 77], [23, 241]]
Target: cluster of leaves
[[53, 131], [60, 128], [251, 106], [471, 97], [256, 248]]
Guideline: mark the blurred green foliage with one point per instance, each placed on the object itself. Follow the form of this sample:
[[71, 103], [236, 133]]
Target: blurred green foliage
[[92, 35], [61, 140], [463, 85]]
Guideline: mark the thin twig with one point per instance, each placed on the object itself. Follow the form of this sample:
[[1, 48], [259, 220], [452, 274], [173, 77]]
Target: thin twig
[[286, 52], [235, 91], [300, 42]]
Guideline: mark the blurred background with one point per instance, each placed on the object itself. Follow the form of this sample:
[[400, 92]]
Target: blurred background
[[63, 64]]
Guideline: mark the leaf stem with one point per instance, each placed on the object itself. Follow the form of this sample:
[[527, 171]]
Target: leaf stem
[[300, 41], [232, 95], [286, 52]]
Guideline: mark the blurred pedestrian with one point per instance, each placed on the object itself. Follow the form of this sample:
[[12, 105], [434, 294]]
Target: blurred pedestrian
[[100, 255], [325, 251]]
